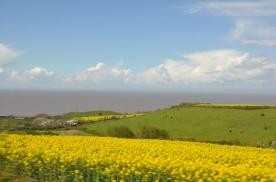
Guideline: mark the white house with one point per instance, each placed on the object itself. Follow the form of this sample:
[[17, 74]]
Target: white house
[[72, 122]]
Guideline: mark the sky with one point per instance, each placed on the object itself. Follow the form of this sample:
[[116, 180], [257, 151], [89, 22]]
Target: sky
[[161, 45]]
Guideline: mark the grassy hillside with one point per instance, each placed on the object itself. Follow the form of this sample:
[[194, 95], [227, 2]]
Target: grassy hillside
[[250, 127]]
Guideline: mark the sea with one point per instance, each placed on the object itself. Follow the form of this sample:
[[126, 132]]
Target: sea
[[32, 102]]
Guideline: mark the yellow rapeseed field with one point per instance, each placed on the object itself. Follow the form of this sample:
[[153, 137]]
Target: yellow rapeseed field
[[85, 158], [107, 117], [230, 106]]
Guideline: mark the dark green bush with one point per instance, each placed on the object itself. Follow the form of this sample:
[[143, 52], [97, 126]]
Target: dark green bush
[[33, 132], [227, 142], [153, 133], [120, 132]]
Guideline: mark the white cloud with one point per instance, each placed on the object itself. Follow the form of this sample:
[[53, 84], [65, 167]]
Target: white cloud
[[264, 42], [35, 73], [236, 8], [101, 73], [7, 54], [212, 67], [252, 32], [218, 66], [246, 31]]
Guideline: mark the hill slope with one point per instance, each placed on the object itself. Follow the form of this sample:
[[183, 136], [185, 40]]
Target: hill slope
[[250, 127]]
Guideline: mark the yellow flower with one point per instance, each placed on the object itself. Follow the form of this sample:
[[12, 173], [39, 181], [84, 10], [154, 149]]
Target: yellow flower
[[139, 159]]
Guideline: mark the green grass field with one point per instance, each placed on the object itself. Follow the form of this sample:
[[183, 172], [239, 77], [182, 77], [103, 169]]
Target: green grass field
[[250, 127], [247, 124]]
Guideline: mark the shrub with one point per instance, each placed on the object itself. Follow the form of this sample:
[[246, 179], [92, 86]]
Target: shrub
[[153, 133], [227, 142], [190, 139], [34, 132], [41, 115], [120, 132]]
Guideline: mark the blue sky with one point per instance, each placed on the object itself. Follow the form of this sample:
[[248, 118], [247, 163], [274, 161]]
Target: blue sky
[[146, 45]]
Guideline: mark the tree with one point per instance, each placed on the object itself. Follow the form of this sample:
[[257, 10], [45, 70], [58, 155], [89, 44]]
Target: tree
[[153, 133], [121, 132]]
